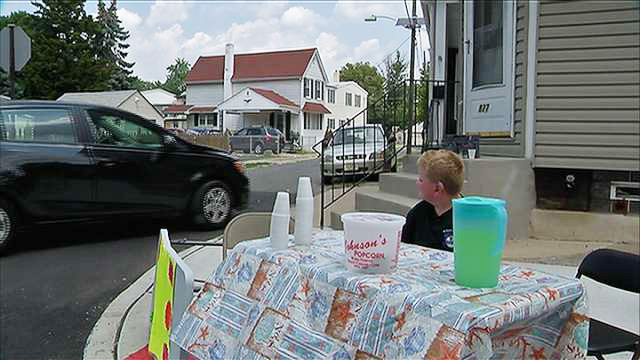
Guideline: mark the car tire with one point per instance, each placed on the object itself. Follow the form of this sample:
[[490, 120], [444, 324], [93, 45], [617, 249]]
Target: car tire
[[212, 205], [258, 149], [8, 221], [327, 180]]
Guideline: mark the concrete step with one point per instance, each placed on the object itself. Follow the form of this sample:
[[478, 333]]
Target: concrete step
[[409, 163], [585, 226], [376, 201], [402, 183], [372, 200]]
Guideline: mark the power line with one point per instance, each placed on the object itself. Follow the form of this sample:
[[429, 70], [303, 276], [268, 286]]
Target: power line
[[391, 53]]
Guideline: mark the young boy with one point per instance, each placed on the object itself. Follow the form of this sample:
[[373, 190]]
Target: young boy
[[430, 222]]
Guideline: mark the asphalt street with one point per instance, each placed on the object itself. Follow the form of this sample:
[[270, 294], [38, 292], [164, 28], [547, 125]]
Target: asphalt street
[[57, 282]]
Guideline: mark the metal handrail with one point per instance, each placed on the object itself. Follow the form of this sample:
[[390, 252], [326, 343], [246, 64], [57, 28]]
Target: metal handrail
[[394, 100]]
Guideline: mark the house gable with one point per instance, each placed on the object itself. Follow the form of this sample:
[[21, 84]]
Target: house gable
[[254, 100], [315, 69]]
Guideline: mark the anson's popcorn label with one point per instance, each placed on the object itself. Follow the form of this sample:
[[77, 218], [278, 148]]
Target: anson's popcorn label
[[372, 241]]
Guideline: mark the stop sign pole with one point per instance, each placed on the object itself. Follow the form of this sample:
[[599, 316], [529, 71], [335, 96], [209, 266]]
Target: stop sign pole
[[12, 62]]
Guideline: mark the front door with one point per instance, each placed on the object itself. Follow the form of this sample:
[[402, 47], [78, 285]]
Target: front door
[[488, 68]]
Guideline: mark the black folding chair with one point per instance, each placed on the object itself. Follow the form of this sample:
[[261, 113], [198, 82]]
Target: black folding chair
[[622, 271]]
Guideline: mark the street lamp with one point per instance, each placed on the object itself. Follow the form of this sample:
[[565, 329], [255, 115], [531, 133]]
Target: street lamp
[[412, 24]]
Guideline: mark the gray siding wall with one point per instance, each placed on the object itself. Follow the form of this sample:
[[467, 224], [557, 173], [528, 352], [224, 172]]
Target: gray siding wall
[[588, 85], [514, 147], [205, 94]]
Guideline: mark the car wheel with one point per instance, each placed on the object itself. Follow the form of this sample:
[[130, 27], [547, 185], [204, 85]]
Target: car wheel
[[212, 205], [258, 149], [7, 225]]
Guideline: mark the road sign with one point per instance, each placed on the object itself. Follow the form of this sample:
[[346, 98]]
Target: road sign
[[22, 46]]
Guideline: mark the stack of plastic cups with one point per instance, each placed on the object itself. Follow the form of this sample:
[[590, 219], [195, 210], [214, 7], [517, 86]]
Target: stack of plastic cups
[[279, 231], [304, 212]]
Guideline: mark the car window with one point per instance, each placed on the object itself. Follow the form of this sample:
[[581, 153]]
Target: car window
[[358, 135], [242, 132], [115, 129], [255, 131], [38, 125], [273, 132]]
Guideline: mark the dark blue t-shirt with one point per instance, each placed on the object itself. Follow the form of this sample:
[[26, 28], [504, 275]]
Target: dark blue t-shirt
[[425, 228]]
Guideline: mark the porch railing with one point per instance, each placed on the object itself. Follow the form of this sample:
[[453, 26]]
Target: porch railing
[[351, 154]]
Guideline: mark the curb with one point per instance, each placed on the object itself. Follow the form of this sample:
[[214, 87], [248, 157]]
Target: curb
[[102, 342]]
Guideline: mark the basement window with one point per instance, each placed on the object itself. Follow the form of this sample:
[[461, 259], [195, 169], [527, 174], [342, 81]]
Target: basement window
[[623, 190]]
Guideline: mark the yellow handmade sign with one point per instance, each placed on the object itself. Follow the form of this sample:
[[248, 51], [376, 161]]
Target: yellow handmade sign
[[163, 292]]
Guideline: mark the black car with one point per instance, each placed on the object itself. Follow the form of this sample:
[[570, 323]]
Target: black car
[[257, 139], [63, 162]]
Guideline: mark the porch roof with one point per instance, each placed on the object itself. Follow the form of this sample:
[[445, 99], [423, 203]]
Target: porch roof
[[315, 108], [253, 100], [202, 109], [275, 97]]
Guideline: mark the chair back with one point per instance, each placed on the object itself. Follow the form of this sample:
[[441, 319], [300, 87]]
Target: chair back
[[612, 267], [247, 226]]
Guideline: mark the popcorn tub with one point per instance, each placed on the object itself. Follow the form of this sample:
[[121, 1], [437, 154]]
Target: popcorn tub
[[372, 241]]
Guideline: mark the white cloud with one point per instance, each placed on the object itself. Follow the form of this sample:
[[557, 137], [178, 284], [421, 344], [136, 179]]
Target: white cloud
[[128, 18], [367, 49], [162, 36], [168, 12], [360, 9], [298, 16], [268, 9]]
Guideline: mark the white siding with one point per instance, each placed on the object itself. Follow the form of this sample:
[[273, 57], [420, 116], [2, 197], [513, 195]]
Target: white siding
[[204, 94], [340, 111], [287, 88], [142, 108], [314, 71], [588, 76]]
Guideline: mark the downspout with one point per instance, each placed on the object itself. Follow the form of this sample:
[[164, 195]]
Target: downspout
[[532, 50]]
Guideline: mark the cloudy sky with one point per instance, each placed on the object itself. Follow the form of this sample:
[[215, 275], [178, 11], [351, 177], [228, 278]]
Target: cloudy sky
[[162, 31]]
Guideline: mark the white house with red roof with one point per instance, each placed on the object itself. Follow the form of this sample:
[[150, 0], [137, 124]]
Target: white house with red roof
[[283, 89]]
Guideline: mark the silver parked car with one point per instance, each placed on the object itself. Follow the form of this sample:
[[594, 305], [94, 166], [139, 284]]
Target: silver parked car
[[358, 150]]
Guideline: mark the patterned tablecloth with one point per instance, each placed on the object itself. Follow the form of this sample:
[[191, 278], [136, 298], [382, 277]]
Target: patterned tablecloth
[[302, 303]]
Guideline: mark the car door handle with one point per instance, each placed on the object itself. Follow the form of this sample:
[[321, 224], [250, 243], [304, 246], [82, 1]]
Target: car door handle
[[107, 163]]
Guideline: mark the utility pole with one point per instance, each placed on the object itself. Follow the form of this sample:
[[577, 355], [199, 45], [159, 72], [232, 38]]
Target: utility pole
[[412, 93], [12, 62]]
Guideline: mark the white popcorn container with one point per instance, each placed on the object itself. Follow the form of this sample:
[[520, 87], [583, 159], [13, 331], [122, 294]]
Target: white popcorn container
[[372, 241]]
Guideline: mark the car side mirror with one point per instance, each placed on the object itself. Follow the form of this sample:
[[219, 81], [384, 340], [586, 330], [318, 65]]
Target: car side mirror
[[169, 142]]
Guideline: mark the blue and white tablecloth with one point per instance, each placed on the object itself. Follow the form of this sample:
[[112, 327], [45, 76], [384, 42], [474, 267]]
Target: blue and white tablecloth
[[302, 303]]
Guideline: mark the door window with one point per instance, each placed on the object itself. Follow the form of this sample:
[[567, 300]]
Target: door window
[[38, 125], [117, 130], [487, 43]]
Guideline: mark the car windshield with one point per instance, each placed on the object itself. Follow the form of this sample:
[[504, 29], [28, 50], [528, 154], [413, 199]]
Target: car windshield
[[358, 136]]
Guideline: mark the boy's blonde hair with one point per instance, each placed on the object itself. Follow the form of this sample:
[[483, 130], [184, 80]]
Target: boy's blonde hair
[[443, 166]]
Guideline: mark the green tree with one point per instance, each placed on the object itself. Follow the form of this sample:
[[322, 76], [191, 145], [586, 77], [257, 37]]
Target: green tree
[[112, 45], [176, 75], [422, 95], [366, 76], [396, 91], [135, 83], [65, 53]]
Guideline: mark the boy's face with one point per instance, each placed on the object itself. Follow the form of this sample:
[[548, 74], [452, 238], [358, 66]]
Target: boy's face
[[429, 191]]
